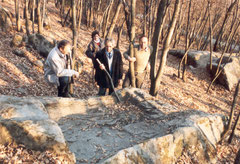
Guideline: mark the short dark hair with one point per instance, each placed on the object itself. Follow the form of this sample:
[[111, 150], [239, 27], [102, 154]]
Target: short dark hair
[[63, 43], [95, 33]]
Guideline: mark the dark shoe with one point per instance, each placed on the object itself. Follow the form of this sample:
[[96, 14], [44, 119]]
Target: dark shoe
[[67, 95], [73, 95]]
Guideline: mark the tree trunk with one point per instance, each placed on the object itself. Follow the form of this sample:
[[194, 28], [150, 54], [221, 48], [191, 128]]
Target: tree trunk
[[99, 5], [33, 16], [112, 26], [131, 64], [18, 23], [120, 29], [40, 30], [91, 13], [62, 11], [74, 31], [156, 83], [26, 17], [150, 21], [227, 16], [237, 159], [187, 41], [105, 24], [210, 30], [127, 19], [79, 15], [162, 9], [145, 18], [231, 113], [43, 11]]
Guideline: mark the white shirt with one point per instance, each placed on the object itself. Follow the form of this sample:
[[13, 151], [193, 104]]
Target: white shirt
[[110, 60]]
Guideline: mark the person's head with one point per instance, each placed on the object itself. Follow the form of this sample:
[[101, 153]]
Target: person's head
[[109, 44], [143, 42], [95, 35], [64, 47]]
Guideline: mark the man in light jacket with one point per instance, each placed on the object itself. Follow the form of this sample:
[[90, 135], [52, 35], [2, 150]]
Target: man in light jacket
[[55, 68]]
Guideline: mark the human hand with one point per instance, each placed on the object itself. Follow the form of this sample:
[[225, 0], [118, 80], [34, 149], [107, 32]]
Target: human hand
[[133, 59], [102, 67], [148, 67], [119, 81]]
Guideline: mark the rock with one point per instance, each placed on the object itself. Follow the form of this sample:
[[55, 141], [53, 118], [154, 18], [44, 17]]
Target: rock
[[25, 121], [46, 23], [17, 41], [230, 74], [5, 20], [196, 133], [197, 59], [39, 63], [98, 132], [41, 44], [18, 52]]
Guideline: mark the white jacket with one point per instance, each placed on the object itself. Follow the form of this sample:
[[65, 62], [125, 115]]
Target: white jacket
[[55, 66]]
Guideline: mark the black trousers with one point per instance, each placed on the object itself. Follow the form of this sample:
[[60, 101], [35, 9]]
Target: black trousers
[[102, 91], [63, 89]]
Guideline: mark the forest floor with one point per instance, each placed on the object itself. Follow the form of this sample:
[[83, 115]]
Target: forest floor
[[18, 77]]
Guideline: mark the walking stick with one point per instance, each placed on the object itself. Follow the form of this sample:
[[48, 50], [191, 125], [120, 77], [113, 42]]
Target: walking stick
[[110, 80]]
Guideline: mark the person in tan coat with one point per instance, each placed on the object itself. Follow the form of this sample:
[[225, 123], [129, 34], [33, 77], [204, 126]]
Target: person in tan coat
[[142, 52]]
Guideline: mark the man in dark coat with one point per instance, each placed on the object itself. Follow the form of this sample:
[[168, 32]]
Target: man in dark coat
[[111, 60]]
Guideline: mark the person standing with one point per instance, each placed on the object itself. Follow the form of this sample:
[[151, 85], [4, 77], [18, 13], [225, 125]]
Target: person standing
[[141, 56], [94, 46], [55, 68], [111, 60]]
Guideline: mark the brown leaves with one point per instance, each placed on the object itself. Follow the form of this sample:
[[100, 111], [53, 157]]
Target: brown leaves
[[19, 154]]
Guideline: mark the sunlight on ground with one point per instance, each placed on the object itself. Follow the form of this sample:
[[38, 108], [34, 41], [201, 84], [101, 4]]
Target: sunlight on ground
[[13, 72]]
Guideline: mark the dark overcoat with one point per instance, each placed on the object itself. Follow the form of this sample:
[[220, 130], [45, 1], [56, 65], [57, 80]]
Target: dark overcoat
[[117, 68]]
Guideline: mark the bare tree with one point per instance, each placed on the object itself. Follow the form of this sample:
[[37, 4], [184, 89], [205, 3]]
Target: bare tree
[[90, 12], [62, 11], [18, 23], [106, 18], [192, 33], [227, 16], [145, 17], [26, 17], [237, 160], [43, 11], [132, 38], [79, 15], [39, 17], [74, 31], [231, 119], [33, 15], [210, 31], [155, 83], [162, 9], [120, 29], [115, 17]]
